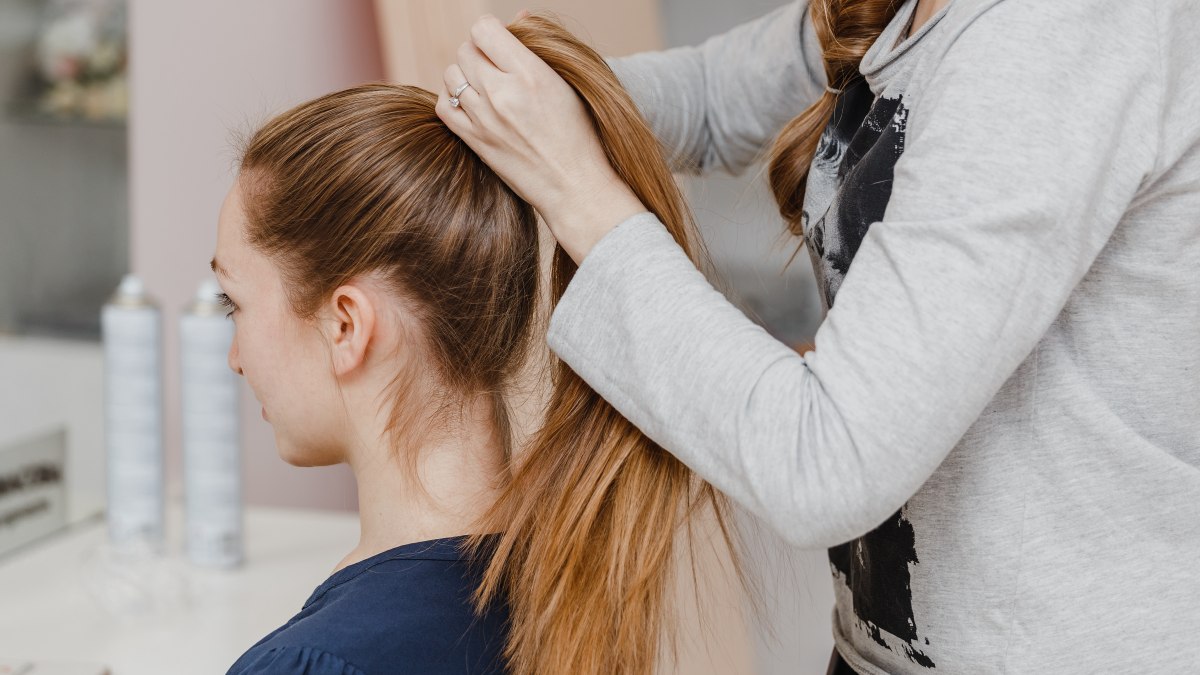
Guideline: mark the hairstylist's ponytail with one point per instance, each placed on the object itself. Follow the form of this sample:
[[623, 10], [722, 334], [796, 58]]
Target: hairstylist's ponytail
[[846, 29], [590, 518]]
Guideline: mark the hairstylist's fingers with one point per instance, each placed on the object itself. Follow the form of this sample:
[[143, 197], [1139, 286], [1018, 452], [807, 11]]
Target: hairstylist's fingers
[[455, 79], [451, 111], [457, 118], [478, 70], [460, 88], [495, 42]]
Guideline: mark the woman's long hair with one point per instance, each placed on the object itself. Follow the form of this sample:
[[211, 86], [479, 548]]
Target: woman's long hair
[[369, 181], [846, 30]]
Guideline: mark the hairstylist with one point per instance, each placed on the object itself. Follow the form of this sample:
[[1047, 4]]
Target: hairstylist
[[998, 431]]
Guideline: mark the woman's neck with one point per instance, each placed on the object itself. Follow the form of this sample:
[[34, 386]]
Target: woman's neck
[[456, 481], [924, 12]]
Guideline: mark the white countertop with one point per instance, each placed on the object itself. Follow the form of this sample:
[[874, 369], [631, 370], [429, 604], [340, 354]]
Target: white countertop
[[51, 607]]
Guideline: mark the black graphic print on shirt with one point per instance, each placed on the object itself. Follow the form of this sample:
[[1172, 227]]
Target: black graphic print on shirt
[[849, 185]]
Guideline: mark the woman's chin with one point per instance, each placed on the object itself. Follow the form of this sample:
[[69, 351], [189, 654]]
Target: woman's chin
[[297, 455]]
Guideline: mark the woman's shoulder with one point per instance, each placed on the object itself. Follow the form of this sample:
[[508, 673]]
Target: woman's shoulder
[[405, 610]]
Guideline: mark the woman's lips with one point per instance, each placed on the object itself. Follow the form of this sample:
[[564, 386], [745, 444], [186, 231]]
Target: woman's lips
[[264, 413]]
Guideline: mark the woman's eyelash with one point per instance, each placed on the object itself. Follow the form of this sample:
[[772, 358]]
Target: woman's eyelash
[[227, 304]]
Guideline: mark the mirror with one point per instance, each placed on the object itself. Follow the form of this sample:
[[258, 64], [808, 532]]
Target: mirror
[[63, 225]]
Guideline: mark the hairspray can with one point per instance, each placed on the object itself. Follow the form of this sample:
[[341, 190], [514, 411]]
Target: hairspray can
[[212, 470], [132, 330]]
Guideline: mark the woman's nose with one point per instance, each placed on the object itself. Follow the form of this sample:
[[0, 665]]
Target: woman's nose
[[234, 364]]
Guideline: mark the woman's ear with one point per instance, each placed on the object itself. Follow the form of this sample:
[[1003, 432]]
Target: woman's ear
[[351, 325]]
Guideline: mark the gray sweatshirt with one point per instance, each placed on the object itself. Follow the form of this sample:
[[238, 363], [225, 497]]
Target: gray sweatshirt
[[998, 432]]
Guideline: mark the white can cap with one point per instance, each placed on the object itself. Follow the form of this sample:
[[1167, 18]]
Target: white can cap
[[131, 287], [208, 291]]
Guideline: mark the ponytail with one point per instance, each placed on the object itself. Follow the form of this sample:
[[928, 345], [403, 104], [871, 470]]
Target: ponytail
[[590, 516]]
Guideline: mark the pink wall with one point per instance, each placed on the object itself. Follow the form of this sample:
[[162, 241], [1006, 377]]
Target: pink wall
[[201, 72]]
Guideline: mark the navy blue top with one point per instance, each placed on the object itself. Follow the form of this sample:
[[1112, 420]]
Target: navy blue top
[[406, 610]]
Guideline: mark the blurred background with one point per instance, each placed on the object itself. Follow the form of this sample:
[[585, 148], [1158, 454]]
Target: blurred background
[[118, 128]]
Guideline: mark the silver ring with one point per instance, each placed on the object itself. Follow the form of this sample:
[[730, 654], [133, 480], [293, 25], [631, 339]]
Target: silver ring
[[460, 89], [454, 101]]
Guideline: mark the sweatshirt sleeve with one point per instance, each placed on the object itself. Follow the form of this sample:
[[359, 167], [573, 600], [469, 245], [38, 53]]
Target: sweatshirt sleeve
[[719, 105], [1020, 161]]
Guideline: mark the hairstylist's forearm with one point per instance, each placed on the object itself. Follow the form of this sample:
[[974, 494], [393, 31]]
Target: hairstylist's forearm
[[583, 212], [718, 106]]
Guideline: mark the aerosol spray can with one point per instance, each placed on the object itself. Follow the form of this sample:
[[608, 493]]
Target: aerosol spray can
[[132, 330], [212, 455]]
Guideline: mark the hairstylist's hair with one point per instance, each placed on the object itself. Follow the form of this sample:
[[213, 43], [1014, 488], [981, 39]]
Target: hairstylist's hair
[[846, 29], [369, 181]]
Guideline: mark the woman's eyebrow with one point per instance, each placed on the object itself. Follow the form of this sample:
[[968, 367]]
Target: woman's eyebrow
[[220, 271]]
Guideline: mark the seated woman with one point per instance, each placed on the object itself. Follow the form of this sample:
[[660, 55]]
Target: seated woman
[[385, 288]]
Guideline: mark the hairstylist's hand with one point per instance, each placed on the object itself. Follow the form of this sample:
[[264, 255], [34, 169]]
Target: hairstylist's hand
[[530, 126]]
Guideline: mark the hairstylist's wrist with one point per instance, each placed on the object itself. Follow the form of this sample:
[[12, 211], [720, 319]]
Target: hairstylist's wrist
[[581, 219]]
